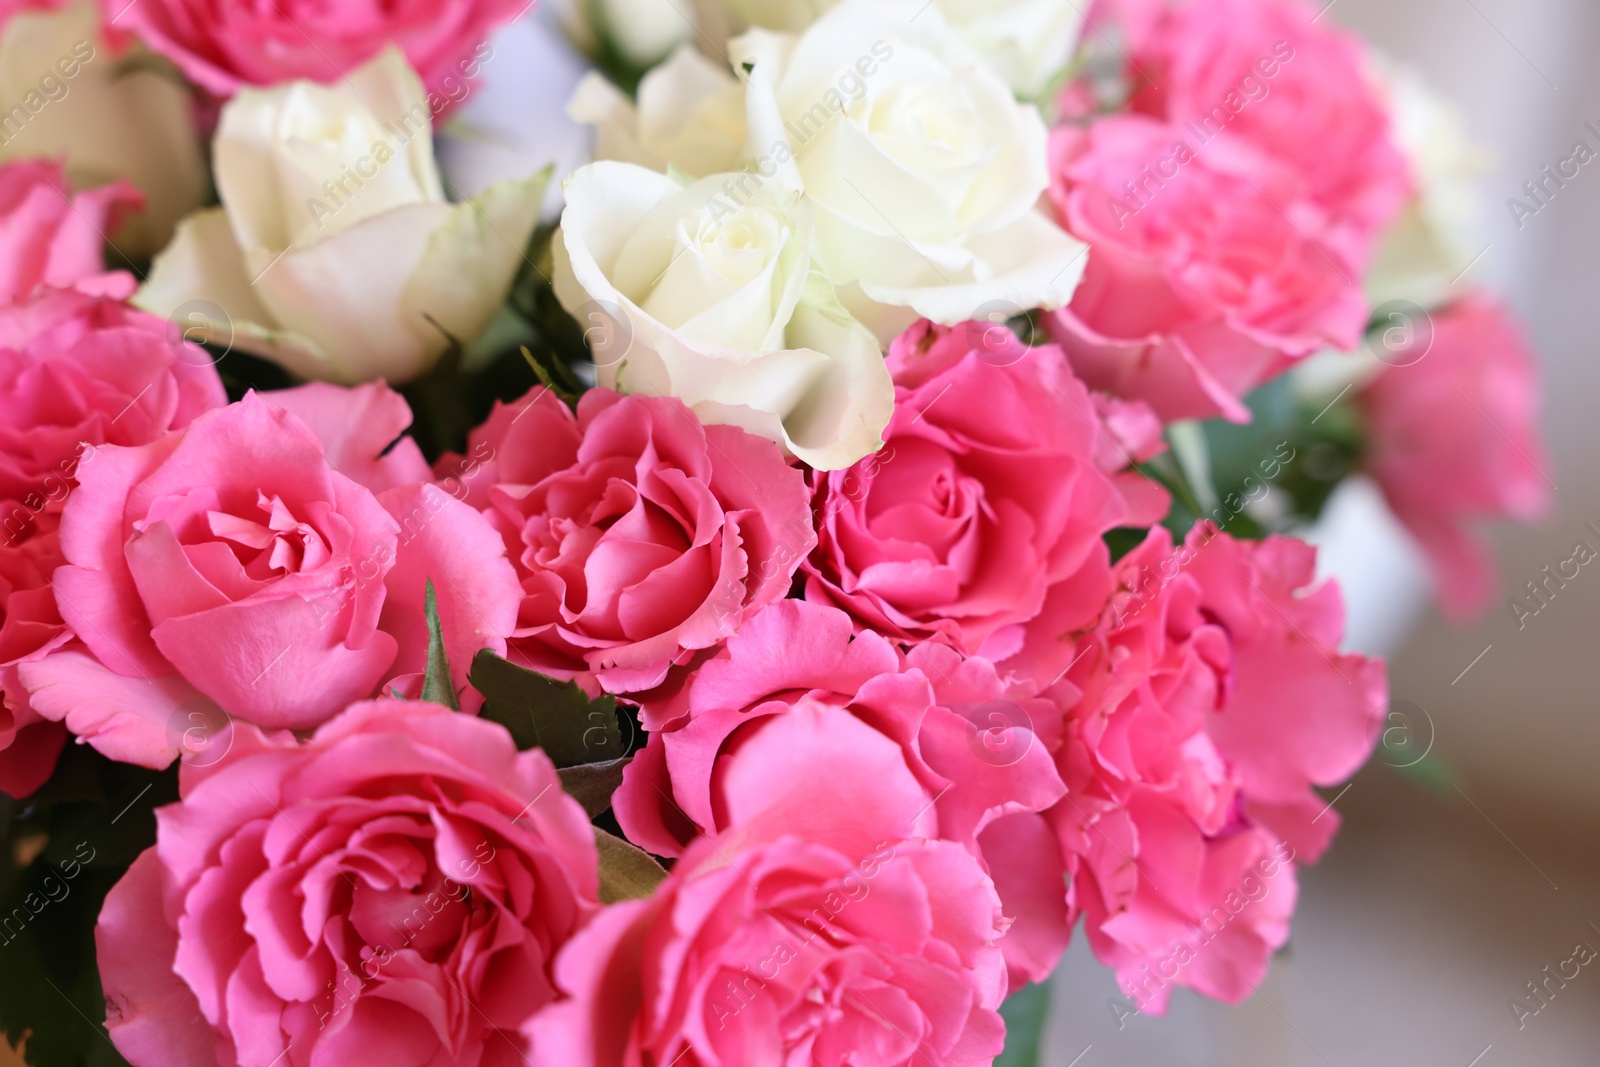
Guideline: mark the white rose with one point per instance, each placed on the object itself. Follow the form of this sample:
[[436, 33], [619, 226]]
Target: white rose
[[64, 94], [925, 171], [335, 252], [689, 115], [1025, 42], [1442, 231], [692, 293], [639, 31]]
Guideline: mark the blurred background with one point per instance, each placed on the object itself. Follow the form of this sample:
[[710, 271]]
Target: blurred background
[[1444, 897]]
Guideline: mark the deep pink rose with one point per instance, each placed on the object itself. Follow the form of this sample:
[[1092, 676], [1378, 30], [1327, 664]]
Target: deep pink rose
[[772, 945], [225, 44], [984, 505], [77, 372], [1453, 438], [51, 237], [1232, 212], [232, 566], [640, 536], [1209, 700], [391, 892], [794, 691]]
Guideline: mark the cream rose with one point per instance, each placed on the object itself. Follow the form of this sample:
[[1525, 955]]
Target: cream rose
[[63, 93], [639, 31], [335, 252], [1442, 231], [1026, 42], [706, 292], [924, 170], [689, 115]]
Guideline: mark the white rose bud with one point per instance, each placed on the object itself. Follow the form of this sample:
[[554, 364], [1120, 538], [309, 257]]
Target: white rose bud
[[63, 93], [1028, 43], [640, 31], [925, 171], [335, 252], [707, 293]]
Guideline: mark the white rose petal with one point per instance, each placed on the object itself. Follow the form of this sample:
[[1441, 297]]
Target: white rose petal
[[335, 252], [718, 305], [690, 115]]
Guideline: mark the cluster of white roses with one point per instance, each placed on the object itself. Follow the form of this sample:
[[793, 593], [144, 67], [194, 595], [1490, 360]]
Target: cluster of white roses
[[750, 235]]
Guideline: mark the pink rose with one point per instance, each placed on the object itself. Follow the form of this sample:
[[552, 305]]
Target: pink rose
[[984, 505], [1232, 214], [1275, 74], [768, 945], [77, 372], [794, 691], [1454, 438], [231, 565], [1208, 701], [50, 237], [640, 536], [226, 44], [393, 891]]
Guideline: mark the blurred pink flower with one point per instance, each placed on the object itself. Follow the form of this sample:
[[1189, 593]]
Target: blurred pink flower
[[50, 236], [223, 45], [1453, 438]]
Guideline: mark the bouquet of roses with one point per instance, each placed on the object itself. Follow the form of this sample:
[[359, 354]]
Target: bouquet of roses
[[745, 607]]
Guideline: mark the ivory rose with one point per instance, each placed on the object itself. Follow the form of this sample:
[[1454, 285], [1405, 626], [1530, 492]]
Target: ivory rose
[[231, 566], [924, 169], [1025, 42], [70, 95], [77, 372], [792, 941], [334, 252], [711, 296], [394, 890], [227, 46], [640, 537]]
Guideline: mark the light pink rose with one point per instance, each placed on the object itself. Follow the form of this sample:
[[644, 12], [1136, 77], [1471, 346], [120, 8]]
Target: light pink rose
[[225, 44], [1209, 700], [985, 503], [769, 945], [1453, 438], [77, 372], [794, 691], [640, 536], [51, 237], [231, 565], [1232, 211], [391, 892]]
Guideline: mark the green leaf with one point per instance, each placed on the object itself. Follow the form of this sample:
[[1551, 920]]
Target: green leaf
[[627, 872], [543, 713], [1025, 1012], [436, 684], [591, 784]]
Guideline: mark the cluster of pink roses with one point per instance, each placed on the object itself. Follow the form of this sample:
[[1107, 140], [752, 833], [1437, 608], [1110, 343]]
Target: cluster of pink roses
[[907, 721]]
